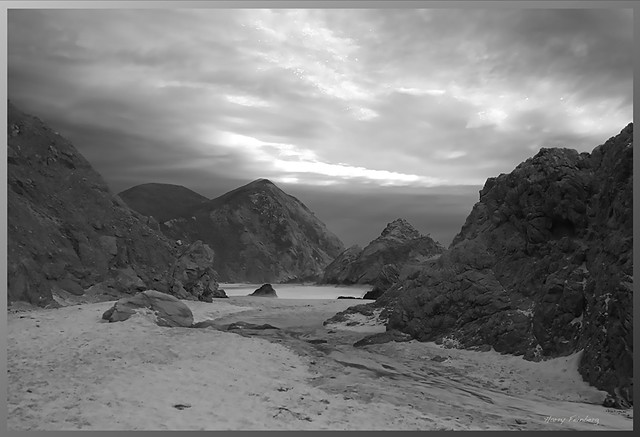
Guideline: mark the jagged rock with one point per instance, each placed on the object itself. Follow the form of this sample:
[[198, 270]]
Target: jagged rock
[[397, 252], [259, 234], [168, 310], [265, 290], [64, 225], [193, 276], [542, 267]]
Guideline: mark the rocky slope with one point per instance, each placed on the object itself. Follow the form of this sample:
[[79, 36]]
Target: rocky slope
[[397, 252], [67, 233], [161, 201], [541, 268], [260, 234]]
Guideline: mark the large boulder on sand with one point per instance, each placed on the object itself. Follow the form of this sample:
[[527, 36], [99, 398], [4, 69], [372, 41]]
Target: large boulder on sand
[[265, 290], [169, 311]]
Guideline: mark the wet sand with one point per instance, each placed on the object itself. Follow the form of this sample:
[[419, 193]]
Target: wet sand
[[68, 369]]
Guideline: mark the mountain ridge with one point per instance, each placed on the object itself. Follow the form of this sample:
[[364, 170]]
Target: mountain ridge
[[259, 234]]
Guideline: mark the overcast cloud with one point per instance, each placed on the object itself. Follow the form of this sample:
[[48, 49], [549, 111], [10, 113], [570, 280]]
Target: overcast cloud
[[366, 115]]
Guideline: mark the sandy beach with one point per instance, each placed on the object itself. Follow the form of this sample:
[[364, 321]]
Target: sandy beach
[[70, 370]]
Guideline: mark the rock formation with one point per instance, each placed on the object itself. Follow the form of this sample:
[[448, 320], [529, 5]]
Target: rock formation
[[541, 268], [66, 231], [259, 234], [193, 276], [167, 309], [265, 290], [161, 201], [397, 252]]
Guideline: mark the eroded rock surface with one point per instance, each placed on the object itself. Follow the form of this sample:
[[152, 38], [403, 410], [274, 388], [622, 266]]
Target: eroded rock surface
[[193, 276]]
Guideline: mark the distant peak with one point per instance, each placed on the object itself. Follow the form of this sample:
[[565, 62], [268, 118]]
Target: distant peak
[[400, 228], [260, 184], [262, 181]]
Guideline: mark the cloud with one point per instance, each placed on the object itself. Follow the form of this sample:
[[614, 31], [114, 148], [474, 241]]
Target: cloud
[[420, 92], [278, 158], [337, 99]]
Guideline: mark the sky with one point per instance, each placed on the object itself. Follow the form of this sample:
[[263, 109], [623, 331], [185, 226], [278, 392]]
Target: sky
[[365, 115]]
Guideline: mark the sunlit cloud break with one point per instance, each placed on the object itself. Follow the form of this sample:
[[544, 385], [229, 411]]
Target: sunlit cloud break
[[290, 159], [247, 101], [421, 92]]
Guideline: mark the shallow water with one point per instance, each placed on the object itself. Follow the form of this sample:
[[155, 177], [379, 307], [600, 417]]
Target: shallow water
[[299, 291]]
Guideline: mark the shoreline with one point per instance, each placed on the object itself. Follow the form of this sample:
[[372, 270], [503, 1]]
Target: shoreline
[[68, 369]]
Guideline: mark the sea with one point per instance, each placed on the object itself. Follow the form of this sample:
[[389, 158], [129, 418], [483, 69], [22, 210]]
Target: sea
[[299, 291]]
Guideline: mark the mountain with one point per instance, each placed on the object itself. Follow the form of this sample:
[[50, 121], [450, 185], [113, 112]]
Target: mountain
[[260, 234], [542, 267], [69, 236], [161, 201], [399, 250]]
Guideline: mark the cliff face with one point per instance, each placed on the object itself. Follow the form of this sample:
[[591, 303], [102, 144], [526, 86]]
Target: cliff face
[[259, 234], [541, 268], [67, 233], [399, 250]]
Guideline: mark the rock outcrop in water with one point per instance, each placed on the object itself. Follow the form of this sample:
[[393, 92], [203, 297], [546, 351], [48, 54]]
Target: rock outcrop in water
[[259, 234], [66, 231], [265, 290], [396, 253], [541, 268]]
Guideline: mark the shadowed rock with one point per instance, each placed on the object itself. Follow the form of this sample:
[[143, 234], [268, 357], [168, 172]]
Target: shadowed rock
[[193, 275], [266, 290]]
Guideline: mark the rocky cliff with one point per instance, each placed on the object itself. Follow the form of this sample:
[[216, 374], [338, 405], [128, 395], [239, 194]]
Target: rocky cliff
[[67, 233], [259, 234], [541, 268], [395, 254]]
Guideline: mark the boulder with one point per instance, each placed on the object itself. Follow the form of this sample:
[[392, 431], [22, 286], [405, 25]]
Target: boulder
[[168, 310], [266, 290]]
